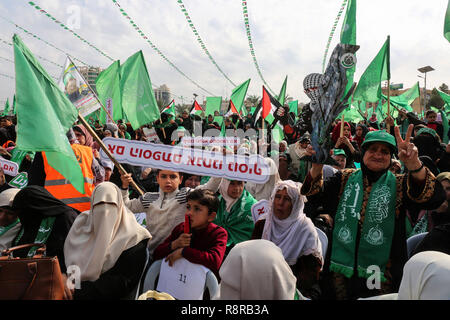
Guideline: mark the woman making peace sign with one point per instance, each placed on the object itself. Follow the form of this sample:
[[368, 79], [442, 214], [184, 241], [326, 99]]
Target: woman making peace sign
[[368, 245]]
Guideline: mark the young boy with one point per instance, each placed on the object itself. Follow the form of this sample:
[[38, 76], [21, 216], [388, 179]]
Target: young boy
[[164, 209], [206, 242]]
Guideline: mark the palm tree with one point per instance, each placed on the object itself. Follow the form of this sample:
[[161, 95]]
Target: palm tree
[[252, 100]]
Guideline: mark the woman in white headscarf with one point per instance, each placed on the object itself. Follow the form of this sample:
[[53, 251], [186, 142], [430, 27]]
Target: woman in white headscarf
[[108, 246], [261, 191], [289, 228], [426, 276], [256, 270]]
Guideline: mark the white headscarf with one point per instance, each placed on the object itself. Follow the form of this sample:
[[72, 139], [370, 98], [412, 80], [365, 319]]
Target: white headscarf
[[99, 236], [426, 276], [296, 235], [223, 189], [256, 270], [261, 191]]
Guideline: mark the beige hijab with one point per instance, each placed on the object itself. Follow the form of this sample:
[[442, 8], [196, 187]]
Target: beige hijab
[[98, 237], [256, 270], [426, 276]]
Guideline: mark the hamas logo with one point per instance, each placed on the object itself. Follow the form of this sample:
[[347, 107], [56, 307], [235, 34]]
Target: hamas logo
[[375, 236], [344, 235], [348, 60]]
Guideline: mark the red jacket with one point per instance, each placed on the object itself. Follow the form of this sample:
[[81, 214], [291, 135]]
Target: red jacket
[[207, 246]]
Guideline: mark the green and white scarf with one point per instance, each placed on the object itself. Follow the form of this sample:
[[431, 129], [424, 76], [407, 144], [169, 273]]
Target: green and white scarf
[[377, 230], [44, 231], [5, 229]]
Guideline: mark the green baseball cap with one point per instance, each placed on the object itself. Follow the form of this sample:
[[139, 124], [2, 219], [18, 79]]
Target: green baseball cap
[[337, 152], [379, 136]]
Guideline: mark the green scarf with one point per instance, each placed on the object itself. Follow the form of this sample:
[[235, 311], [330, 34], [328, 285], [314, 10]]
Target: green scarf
[[377, 230], [420, 227], [3, 230], [302, 172], [44, 231], [238, 222]]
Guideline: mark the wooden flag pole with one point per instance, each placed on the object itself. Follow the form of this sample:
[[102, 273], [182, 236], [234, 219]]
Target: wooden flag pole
[[105, 149], [342, 127], [388, 126]]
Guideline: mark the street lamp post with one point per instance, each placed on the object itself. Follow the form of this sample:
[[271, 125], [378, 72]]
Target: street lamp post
[[424, 70]]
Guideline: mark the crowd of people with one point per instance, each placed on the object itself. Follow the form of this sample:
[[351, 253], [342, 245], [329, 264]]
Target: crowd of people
[[385, 182]]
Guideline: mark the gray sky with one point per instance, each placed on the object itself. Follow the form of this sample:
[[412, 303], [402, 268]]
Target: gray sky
[[289, 37]]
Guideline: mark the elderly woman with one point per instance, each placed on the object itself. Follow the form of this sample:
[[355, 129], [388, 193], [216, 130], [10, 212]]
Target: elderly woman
[[234, 213], [368, 207], [289, 228], [108, 245]]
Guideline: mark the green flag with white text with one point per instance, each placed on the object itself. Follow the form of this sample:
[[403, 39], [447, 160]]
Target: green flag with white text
[[138, 99], [369, 85], [348, 36], [44, 115], [108, 89]]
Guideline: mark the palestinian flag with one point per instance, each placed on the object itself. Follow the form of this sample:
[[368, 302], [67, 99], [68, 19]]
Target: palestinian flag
[[268, 107], [196, 109], [232, 110], [170, 109]]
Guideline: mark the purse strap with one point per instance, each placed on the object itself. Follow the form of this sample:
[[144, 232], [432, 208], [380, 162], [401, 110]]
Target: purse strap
[[39, 252]]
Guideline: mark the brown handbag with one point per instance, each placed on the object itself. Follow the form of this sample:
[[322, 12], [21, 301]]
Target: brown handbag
[[36, 278]]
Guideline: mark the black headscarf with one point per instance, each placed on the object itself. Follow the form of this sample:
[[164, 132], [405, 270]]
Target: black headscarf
[[35, 203], [373, 176]]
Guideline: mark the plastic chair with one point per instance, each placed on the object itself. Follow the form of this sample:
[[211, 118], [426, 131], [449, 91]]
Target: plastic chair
[[134, 294], [324, 241], [412, 242], [151, 280]]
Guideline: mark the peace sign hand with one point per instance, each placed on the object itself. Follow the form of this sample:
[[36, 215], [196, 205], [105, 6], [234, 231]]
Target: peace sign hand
[[407, 151]]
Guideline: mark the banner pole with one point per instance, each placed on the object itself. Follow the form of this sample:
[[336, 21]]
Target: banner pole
[[105, 149]]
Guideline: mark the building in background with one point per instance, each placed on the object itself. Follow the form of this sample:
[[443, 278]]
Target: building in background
[[163, 94], [90, 74]]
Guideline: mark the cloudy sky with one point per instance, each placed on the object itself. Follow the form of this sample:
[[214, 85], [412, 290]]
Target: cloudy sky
[[289, 37]]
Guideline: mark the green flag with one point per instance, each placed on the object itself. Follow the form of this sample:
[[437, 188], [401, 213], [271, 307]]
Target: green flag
[[445, 97], [212, 104], [348, 36], [6, 109], [108, 89], [406, 98], [447, 22], [44, 115], [293, 107], [282, 94], [238, 95], [138, 99], [369, 86], [14, 105]]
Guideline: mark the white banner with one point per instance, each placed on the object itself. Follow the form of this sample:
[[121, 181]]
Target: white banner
[[9, 167], [196, 161], [210, 141], [151, 135], [76, 89]]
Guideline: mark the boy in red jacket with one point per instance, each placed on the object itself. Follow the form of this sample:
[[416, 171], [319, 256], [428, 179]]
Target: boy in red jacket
[[206, 242]]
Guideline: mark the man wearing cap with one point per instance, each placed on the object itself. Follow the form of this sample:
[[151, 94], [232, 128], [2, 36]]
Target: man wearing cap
[[9, 222], [341, 159], [368, 209]]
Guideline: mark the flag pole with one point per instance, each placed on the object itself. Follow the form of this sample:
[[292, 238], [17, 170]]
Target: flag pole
[[342, 126], [105, 149], [93, 92], [388, 126]]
